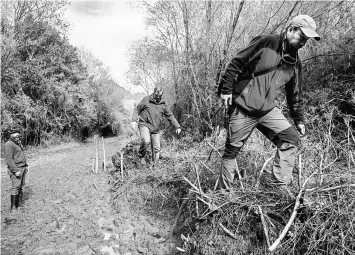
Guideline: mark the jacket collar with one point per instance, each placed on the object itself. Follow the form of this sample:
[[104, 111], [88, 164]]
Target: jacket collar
[[19, 144], [282, 47]]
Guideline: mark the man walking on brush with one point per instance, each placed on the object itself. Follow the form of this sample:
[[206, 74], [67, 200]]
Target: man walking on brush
[[149, 114], [17, 166], [249, 87]]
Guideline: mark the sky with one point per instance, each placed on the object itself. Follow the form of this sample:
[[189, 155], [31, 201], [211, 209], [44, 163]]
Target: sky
[[106, 28]]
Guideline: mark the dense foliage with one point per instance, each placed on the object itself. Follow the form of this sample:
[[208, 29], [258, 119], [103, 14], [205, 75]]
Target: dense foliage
[[48, 87]]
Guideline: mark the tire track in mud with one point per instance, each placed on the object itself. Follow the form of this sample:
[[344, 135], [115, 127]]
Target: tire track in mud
[[67, 209]]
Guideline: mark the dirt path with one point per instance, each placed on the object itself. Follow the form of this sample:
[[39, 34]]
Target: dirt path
[[67, 209]]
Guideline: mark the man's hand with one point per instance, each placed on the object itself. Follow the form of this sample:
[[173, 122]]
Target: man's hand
[[134, 125], [301, 129], [226, 100], [178, 131], [18, 174]]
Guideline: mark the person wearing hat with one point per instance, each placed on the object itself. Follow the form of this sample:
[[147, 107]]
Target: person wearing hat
[[249, 88], [148, 116], [17, 166]]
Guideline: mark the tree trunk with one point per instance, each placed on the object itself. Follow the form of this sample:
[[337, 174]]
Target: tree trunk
[[208, 31], [191, 78], [233, 23]]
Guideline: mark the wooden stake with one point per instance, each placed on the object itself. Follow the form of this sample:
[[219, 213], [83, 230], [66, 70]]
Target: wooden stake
[[93, 165], [96, 155], [103, 148], [121, 165]]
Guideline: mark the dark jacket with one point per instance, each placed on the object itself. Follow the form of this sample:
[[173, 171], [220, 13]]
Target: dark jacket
[[150, 114], [14, 155], [257, 94]]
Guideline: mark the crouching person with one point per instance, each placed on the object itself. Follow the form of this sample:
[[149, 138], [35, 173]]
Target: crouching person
[[148, 117], [17, 167]]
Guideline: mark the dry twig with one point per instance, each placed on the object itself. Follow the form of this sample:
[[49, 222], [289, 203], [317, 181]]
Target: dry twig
[[299, 171], [227, 231], [198, 178], [293, 216], [213, 148], [265, 226], [332, 188], [239, 176], [262, 170]]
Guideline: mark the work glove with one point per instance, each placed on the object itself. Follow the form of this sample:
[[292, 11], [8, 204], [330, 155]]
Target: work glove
[[134, 125], [226, 100], [301, 129], [18, 174], [178, 131]]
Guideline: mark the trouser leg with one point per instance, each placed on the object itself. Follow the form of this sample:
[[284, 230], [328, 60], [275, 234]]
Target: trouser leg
[[16, 187], [241, 126], [276, 127], [284, 162], [145, 140], [16, 182], [155, 147], [20, 192]]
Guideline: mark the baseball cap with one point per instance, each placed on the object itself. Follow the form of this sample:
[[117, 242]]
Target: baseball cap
[[307, 25]]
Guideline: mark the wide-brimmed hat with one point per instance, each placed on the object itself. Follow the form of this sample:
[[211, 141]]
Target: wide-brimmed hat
[[307, 25]]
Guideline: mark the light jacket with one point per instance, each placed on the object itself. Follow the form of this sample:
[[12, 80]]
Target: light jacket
[[257, 94], [14, 155], [151, 114]]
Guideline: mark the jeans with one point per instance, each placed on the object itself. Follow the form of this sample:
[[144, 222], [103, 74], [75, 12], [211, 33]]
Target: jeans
[[146, 139]]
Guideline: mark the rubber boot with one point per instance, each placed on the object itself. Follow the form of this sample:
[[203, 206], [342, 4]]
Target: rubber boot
[[156, 157], [12, 199], [20, 193], [17, 201]]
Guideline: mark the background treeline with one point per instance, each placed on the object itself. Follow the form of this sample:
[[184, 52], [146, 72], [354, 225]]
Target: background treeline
[[193, 41], [50, 89]]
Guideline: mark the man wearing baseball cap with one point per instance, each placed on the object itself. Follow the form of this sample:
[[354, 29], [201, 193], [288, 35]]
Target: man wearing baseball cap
[[307, 25], [17, 166], [249, 89]]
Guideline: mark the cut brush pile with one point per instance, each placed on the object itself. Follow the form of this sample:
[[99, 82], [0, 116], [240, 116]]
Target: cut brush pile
[[251, 218]]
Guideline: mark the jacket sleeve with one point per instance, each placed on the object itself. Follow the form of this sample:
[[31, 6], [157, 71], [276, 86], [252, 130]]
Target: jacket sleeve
[[138, 109], [294, 96], [169, 115], [9, 152], [236, 65]]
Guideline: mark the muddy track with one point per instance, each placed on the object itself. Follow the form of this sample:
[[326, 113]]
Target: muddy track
[[67, 209]]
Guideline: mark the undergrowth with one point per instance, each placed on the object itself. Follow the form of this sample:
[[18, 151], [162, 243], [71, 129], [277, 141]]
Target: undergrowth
[[183, 189]]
